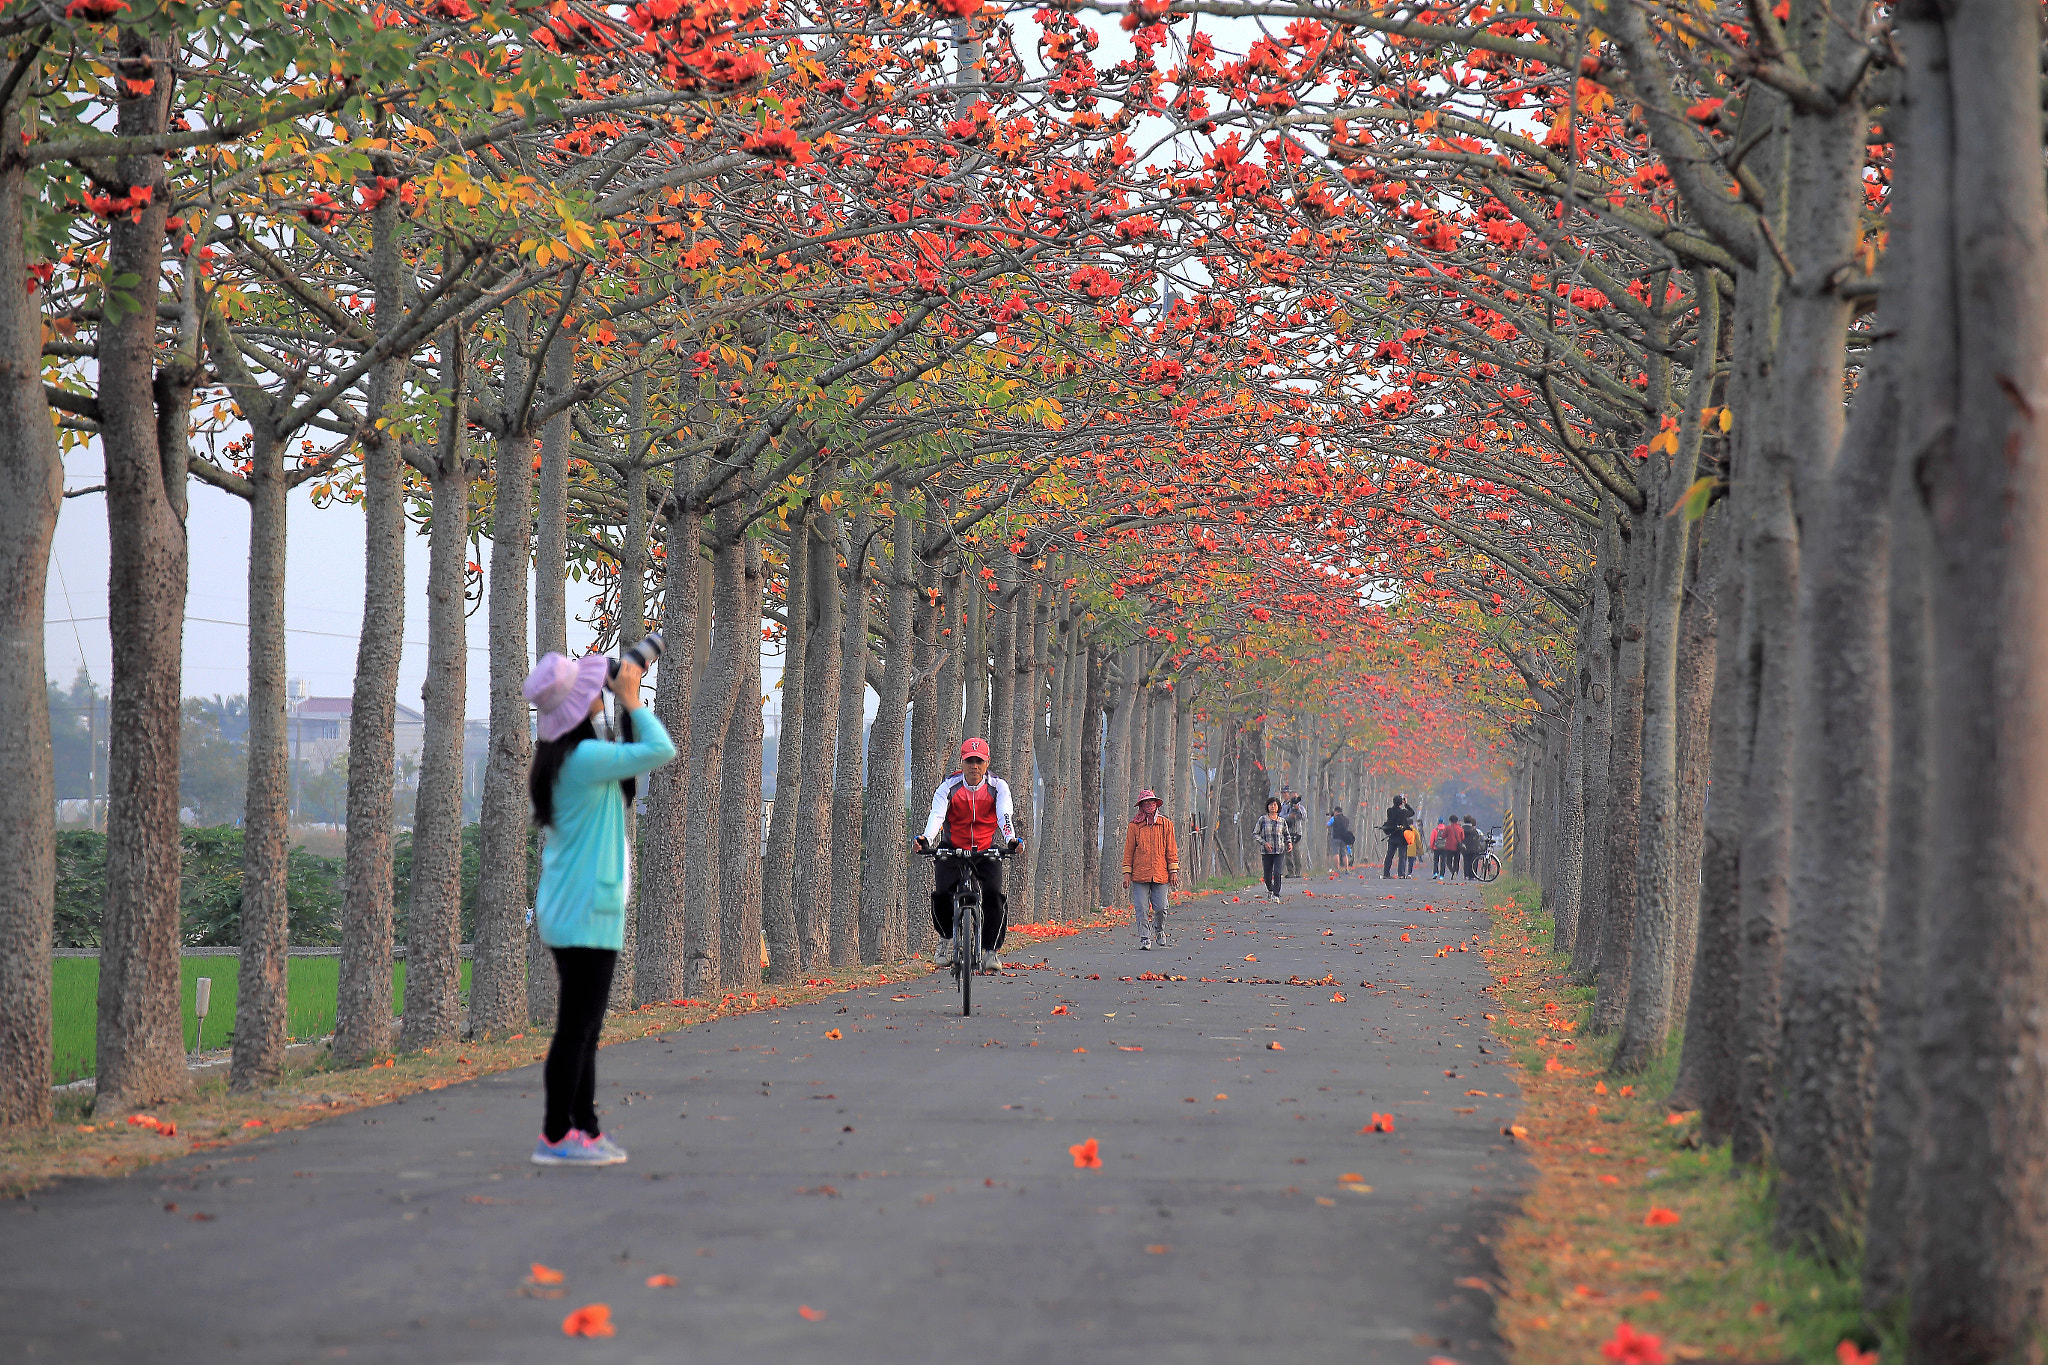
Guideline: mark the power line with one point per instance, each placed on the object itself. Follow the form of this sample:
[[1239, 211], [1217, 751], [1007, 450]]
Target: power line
[[73, 621]]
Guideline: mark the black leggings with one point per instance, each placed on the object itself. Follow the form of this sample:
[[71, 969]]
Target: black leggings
[[571, 1070], [995, 906], [1275, 863]]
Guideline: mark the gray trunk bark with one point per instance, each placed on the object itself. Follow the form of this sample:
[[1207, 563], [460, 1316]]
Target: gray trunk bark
[[31, 491], [433, 913], [1089, 895], [849, 776], [1631, 586], [881, 884], [661, 973], [1116, 771], [821, 741], [779, 891], [711, 713], [739, 813], [1594, 715], [141, 1044], [497, 985]]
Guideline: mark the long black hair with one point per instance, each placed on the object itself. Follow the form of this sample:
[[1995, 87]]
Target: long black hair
[[550, 754]]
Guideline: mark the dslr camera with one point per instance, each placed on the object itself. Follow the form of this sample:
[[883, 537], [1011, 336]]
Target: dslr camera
[[644, 654]]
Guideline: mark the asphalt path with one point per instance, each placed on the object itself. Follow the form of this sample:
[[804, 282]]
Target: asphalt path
[[903, 1193]]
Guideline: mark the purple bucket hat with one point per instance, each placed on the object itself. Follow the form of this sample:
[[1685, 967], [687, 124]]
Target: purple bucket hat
[[562, 691]]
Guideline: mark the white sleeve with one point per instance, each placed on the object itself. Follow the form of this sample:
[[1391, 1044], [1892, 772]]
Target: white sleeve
[[937, 818], [1005, 821]]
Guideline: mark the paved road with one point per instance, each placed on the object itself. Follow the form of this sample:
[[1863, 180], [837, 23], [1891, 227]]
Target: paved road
[[910, 1181]]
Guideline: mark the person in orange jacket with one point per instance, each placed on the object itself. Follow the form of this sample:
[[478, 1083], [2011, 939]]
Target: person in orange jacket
[[1151, 866]]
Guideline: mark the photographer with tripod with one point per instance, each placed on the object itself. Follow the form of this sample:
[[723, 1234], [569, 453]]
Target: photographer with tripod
[[581, 787]]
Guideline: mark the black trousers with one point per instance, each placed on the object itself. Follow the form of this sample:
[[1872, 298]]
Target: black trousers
[[1273, 863], [571, 1070], [995, 906], [1471, 864], [1397, 847]]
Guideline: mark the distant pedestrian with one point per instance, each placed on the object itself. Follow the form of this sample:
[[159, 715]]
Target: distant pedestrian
[[1340, 837], [1397, 828], [1296, 815], [581, 786], [1274, 841], [1151, 868], [1440, 846], [1472, 843]]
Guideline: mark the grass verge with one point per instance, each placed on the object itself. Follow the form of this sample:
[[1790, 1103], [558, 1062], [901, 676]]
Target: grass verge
[[311, 984], [1629, 1221], [81, 1143]]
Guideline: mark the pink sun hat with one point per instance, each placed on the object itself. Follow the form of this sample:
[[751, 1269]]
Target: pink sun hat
[[561, 691], [1147, 795]]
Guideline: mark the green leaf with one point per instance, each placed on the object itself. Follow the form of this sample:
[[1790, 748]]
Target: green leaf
[[1695, 500]]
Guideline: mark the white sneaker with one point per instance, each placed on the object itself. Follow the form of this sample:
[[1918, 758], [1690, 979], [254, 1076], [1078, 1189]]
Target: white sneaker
[[992, 963], [1145, 944], [943, 957]]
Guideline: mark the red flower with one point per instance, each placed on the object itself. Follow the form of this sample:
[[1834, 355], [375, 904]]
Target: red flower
[[1633, 1348]]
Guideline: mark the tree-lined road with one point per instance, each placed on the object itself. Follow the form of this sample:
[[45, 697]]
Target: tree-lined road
[[911, 1180]]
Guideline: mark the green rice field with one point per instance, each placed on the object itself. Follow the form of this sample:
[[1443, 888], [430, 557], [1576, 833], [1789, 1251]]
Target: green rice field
[[311, 982]]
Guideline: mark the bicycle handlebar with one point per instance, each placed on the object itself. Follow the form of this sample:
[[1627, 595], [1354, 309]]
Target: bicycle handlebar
[[964, 854]]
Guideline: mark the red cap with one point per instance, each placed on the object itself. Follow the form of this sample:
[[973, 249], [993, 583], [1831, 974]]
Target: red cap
[[974, 748]]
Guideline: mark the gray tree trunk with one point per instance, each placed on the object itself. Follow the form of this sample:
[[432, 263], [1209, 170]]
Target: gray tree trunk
[[881, 890], [821, 740], [1696, 629], [662, 973], [974, 665], [1005, 628], [31, 491], [1593, 715], [711, 714], [1630, 584], [551, 605], [497, 983], [1090, 895], [262, 1014], [433, 913], [739, 812], [1654, 949], [937, 666], [362, 1016], [849, 795], [779, 890], [1027, 698], [141, 1043]]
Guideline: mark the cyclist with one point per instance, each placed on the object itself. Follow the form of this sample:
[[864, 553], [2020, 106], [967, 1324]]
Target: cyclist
[[971, 809]]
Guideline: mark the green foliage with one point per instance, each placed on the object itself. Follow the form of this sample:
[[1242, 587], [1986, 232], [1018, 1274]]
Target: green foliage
[[210, 896], [472, 865], [213, 770]]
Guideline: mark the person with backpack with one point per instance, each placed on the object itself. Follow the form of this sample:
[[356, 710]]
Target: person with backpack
[[1400, 817], [1340, 837], [1439, 847]]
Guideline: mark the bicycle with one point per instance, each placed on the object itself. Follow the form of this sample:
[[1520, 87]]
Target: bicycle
[[966, 915], [1486, 867]]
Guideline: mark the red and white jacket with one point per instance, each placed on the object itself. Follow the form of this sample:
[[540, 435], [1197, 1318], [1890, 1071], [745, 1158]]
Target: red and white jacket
[[973, 817]]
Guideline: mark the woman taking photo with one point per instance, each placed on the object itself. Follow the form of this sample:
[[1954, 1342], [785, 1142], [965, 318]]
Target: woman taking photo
[[581, 786]]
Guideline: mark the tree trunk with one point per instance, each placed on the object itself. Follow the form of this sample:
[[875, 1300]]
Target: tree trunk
[[711, 715], [31, 491], [1027, 698], [1091, 897], [1696, 630], [433, 915], [661, 973], [739, 853], [1821, 1131], [1595, 714], [1654, 950], [937, 667], [262, 1016], [1003, 646], [882, 837], [497, 980], [1116, 772], [821, 740], [1565, 826], [1983, 1150], [779, 890], [362, 1015], [848, 804], [1629, 585], [1709, 1073], [141, 1043], [551, 605], [974, 660]]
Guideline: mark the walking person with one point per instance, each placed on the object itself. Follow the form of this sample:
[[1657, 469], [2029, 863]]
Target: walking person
[[581, 786], [1471, 843], [1151, 868], [1274, 841], [1296, 815], [1340, 838], [1400, 816], [1440, 844]]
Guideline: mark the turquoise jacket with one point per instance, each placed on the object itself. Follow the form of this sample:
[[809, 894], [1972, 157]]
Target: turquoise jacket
[[581, 902]]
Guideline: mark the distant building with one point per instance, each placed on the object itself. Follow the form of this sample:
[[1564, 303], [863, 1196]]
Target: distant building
[[317, 729]]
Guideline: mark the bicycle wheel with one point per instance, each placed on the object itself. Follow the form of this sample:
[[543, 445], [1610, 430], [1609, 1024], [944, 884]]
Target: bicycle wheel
[[967, 924], [1487, 868]]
